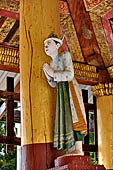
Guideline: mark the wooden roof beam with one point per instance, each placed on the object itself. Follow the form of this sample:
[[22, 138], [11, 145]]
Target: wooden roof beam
[[9, 68], [85, 33], [10, 140], [9, 95], [2, 20], [9, 14], [12, 32]]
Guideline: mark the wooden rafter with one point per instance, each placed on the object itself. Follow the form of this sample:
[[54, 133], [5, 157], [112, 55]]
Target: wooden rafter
[[9, 14], [85, 33], [10, 95], [9, 68], [108, 27], [2, 20], [86, 37], [12, 32], [10, 140]]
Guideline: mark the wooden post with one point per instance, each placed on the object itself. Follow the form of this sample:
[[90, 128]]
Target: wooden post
[[105, 130], [10, 113], [38, 18]]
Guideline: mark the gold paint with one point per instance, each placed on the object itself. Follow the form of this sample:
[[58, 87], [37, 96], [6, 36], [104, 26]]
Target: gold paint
[[9, 56], [105, 130], [14, 40], [101, 39], [38, 20], [105, 89], [68, 30], [4, 30], [87, 72], [90, 4], [110, 70], [103, 8], [10, 5]]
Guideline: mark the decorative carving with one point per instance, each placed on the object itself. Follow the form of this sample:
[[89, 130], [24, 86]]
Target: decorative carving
[[90, 4], [110, 70], [103, 89], [6, 27], [101, 39], [103, 8], [81, 20], [64, 7], [14, 40], [9, 56], [68, 29], [10, 5], [108, 29], [86, 72]]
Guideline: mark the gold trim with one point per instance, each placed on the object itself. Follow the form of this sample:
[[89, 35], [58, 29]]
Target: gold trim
[[85, 72], [103, 89], [9, 5], [110, 70], [73, 44], [9, 56]]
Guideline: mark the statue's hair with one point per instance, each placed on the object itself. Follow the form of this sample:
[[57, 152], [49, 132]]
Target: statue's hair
[[52, 35], [55, 38]]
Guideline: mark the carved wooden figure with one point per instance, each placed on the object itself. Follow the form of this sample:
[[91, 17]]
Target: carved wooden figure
[[70, 121]]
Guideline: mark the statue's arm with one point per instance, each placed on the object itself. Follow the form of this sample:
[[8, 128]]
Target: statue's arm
[[50, 79], [67, 74]]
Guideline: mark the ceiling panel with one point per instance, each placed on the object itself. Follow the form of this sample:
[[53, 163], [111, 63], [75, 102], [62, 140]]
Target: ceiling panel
[[10, 5], [5, 28], [101, 39]]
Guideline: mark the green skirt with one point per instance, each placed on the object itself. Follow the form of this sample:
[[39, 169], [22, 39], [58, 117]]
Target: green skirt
[[63, 131]]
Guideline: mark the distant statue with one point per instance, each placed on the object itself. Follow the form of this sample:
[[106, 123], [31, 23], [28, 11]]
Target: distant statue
[[70, 121]]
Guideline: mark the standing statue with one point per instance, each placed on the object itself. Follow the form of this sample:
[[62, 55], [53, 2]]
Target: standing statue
[[70, 122]]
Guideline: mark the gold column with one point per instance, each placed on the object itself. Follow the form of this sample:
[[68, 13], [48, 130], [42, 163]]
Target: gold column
[[105, 130], [38, 19]]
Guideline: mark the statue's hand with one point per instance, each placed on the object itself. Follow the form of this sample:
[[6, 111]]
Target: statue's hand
[[47, 75], [49, 70]]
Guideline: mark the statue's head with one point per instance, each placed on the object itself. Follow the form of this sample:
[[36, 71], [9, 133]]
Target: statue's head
[[52, 44]]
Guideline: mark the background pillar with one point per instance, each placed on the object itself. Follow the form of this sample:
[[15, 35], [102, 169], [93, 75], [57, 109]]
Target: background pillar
[[38, 100], [105, 130]]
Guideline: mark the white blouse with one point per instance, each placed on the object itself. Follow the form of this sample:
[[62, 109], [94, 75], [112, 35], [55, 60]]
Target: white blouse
[[63, 67]]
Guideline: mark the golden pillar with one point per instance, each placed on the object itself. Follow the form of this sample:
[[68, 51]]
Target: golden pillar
[[105, 130], [104, 93], [38, 19]]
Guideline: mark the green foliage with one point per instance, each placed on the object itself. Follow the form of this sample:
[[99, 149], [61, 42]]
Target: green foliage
[[91, 138], [92, 154], [7, 161], [92, 157], [2, 129]]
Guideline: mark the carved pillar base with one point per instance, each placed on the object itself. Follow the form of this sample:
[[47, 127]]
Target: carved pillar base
[[39, 156]]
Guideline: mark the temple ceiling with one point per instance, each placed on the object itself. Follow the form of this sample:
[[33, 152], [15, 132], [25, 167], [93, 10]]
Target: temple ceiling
[[87, 26]]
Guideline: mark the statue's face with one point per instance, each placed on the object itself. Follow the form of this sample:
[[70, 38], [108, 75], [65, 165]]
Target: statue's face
[[50, 47]]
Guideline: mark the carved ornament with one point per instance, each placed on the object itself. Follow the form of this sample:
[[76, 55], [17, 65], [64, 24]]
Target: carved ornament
[[86, 72], [103, 89], [9, 56]]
